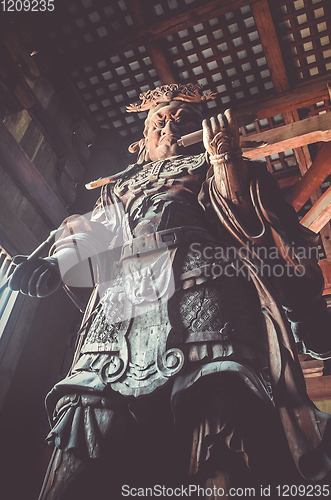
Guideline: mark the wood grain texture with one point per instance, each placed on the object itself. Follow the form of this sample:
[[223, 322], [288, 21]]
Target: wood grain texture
[[269, 40], [319, 388], [303, 95], [154, 50], [160, 63], [320, 213], [14, 235], [149, 33], [294, 135], [313, 178], [29, 180], [302, 155]]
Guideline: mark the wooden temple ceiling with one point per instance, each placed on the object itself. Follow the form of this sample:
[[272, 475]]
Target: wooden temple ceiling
[[270, 61]]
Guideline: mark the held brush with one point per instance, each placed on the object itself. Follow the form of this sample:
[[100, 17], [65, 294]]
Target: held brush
[[195, 137]]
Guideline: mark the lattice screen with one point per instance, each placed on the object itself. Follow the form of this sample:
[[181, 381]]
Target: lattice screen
[[109, 84], [223, 53], [160, 10], [305, 27], [278, 163], [283, 163], [86, 21]]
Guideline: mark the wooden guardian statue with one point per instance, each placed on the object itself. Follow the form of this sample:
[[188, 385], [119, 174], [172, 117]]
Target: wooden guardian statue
[[190, 335]]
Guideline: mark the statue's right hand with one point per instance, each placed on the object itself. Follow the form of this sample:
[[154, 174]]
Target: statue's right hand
[[36, 277]]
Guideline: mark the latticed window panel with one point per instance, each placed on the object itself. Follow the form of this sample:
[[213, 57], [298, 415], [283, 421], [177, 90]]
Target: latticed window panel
[[305, 35], [281, 164], [87, 21], [318, 108], [108, 85], [224, 54], [284, 163]]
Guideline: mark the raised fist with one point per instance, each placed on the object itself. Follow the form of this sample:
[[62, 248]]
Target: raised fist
[[221, 134], [36, 277]]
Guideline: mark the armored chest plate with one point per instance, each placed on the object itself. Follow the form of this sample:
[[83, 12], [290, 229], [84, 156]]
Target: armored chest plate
[[157, 173]]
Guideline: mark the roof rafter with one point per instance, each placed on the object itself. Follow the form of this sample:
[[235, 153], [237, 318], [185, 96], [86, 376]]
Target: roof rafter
[[313, 178], [320, 213], [148, 34], [269, 40], [302, 95], [154, 50], [30, 181]]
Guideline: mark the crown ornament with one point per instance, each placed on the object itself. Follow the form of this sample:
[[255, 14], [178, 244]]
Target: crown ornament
[[172, 92]]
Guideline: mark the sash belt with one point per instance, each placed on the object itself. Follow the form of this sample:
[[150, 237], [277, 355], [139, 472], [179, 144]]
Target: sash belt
[[163, 239]]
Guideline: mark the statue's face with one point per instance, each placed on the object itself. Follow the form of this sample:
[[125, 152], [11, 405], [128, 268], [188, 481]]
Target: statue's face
[[166, 125]]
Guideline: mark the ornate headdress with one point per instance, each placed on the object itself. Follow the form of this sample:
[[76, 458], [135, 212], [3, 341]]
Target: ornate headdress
[[191, 93], [173, 92]]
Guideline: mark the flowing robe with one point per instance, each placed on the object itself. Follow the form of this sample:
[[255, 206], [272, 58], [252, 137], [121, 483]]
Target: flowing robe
[[179, 306]]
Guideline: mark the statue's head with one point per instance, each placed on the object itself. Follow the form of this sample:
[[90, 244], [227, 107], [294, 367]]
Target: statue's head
[[171, 115]]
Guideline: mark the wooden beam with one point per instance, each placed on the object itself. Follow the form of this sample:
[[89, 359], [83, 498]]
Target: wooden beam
[[325, 234], [286, 182], [302, 155], [314, 177], [137, 11], [24, 93], [160, 63], [15, 237], [154, 50], [48, 129], [325, 265], [19, 52], [31, 103], [319, 388], [303, 95], [269, 40], [29, 180], [312, 368], [156, 31], [314, 129], [320, 213]]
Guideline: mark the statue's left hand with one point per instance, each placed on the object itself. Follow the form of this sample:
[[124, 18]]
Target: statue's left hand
[[221, 134], [35, 277]]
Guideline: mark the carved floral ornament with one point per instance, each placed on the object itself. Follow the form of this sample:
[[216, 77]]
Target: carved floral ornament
[[167, 93]]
